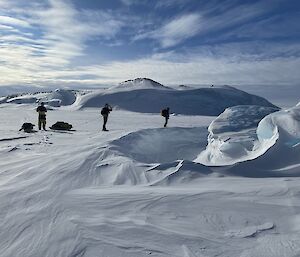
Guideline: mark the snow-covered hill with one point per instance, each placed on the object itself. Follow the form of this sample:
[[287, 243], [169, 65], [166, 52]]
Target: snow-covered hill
[[138, 83], [147, 96], [203, 101]]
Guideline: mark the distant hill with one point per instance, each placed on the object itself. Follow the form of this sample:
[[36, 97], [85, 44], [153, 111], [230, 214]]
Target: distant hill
[[147, 96], [58, 97], [139, 83], [204, 101]]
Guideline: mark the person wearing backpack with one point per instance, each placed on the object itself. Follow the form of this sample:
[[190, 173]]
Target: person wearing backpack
[[105, 112], [165, 113], [42, 116]]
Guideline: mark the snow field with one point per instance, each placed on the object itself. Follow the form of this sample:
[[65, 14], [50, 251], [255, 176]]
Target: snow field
[[135, 191]]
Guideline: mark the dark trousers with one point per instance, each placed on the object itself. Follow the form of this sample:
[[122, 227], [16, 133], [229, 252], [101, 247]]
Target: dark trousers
[[166, 122], [42, 122], [105, 118]]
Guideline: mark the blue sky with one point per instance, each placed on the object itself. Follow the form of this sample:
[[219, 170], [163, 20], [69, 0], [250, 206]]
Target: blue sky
[[89, 42]]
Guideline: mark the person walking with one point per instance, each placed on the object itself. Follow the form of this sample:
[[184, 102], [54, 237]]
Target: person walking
[[105, 112], [166, 113], [42, 116]]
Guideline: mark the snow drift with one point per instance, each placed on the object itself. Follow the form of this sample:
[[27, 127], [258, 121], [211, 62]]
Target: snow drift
[[203, 101], [162, 145]]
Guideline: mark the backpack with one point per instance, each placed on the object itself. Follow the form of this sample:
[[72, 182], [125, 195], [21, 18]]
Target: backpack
[[164, 112], [27, 126], [105, 111], [60, 125]]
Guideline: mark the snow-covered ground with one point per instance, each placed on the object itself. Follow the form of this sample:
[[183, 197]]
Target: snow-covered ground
[[143, 190]]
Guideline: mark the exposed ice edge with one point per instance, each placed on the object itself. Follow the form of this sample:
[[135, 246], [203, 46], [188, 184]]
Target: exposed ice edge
[[281, 128]]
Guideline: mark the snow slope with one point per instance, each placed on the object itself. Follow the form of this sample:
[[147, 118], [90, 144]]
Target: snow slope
[[135, 191]]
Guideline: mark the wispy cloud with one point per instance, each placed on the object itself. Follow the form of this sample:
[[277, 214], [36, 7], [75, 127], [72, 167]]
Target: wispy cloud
[[13, 21], [202, 68], [228, 64], [171, 3], [60, 33], [211, 18], [47, 41], [133, 2], [175, 31]]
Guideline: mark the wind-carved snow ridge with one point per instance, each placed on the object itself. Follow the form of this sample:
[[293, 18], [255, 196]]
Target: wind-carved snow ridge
[[255, 149]]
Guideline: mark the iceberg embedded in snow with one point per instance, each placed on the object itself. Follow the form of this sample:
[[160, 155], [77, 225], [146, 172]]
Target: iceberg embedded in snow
[[232, 135], [275, 150], [285, 125]]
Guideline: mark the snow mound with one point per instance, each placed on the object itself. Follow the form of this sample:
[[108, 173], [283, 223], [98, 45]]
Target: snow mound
[[139, 83], [203, 101], [232, 135], [277, 135], [60, 97], [162, 145]]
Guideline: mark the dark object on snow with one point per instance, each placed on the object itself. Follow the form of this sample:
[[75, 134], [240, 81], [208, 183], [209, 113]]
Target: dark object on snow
[[165, 113], [60, 125], [27, 127], [104, 112]]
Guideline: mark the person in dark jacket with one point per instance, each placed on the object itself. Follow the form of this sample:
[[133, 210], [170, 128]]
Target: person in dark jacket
[[105, 112], [166, 113], [42, 116]]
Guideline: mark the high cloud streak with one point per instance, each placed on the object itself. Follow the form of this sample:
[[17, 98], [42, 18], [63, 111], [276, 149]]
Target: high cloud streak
[[175, 31]]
